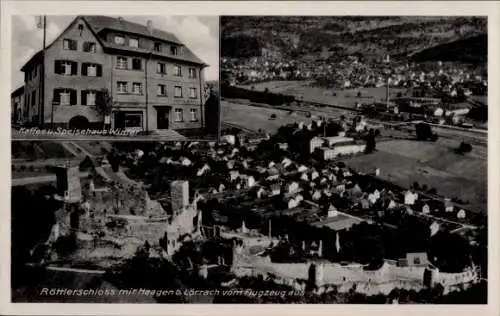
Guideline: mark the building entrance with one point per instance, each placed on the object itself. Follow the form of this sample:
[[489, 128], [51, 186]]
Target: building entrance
[[163, 114]]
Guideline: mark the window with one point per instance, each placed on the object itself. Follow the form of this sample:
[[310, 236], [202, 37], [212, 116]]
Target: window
[[162, 90], [157, 47], [91, 98], [192, 73], [34, 72], [178, 115], [161, 68], [178, 71], [192, 93], [88, 97], [120, 40], [174, 50], [122, 87], [136, 64], [133, 42], [133, 120], [91, 70], [178, 92], [137, 88], [89, 47], [69, 44], [64, 96], [122, 63], [66, 67], [193, 115]]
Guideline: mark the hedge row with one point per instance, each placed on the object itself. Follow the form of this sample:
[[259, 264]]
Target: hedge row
[[266, 97]]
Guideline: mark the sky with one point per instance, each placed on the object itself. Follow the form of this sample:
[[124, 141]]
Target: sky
[[199, 33]]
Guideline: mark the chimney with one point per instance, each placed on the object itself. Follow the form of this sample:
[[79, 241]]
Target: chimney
[[150, 27]]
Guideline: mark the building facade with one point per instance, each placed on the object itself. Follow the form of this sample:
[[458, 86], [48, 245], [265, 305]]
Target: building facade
[[104, 71], [18, 106]]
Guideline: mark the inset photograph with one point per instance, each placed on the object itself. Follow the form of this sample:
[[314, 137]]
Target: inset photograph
[[370, 106], [100, 77]]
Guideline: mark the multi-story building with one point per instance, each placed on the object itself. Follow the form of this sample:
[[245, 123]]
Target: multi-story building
[[103, 70], [18, 105]]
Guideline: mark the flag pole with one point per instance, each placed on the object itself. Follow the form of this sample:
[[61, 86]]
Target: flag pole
[[42, 78]]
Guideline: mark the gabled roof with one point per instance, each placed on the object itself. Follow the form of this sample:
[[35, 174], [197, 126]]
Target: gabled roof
[[39, 55], [96, 24], [19, 91], [100, 23]]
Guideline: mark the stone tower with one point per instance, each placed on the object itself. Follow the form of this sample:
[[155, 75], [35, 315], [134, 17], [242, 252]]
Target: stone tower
[[68, 182], [179, 195], [316, 275]]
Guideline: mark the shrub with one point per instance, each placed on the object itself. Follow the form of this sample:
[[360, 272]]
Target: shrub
[[424, 131], [465, 147]]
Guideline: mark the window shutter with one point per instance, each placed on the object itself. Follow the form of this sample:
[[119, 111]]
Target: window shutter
[[84, 69], [57, 67], [99, 70], [99, 97], [57, 96], [74, 68], [84, 97], [72, 97]]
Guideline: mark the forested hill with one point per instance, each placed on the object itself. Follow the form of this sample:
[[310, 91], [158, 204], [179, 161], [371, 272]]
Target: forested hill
[[470, 50], [367, 37]]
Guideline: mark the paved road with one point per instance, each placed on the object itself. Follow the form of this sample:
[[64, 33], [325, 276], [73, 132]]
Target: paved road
[[39, 179], [87, 271]]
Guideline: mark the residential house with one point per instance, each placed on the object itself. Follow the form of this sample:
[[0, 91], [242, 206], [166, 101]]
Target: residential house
[[150, 79]]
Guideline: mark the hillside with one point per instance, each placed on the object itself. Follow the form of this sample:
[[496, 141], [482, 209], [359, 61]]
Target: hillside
[[470, 50], [367, 37]]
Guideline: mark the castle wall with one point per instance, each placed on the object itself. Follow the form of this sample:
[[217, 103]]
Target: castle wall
[[383, 280]]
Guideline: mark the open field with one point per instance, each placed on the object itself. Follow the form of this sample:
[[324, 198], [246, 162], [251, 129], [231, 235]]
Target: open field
[[302, 90], [255, 118], [433, 164]]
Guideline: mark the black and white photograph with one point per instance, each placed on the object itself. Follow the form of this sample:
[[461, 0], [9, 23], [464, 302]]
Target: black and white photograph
[[109, 77], [375, 151], [351, 169]]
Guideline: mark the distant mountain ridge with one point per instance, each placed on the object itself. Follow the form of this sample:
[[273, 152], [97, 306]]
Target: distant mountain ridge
[[367, 37]]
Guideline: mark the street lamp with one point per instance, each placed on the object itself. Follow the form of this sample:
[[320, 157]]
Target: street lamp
[[54, 103]]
